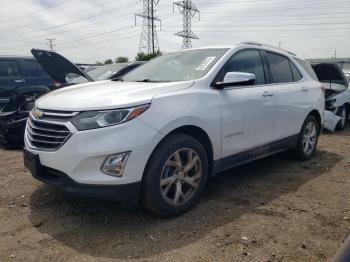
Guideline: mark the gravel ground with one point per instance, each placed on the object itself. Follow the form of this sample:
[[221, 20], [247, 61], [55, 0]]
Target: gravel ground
[[275, 209]]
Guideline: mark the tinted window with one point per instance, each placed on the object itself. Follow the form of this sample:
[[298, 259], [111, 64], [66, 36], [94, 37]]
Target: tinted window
[[34, 69], [296, 74], [307, 67], [248, 61], [280, 68], [8, 69]]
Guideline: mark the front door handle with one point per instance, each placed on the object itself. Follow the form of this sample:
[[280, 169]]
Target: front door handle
[[304, 89], [267, 94], [20, 80]]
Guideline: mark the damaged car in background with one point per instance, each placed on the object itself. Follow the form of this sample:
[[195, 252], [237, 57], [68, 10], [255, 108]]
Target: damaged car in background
[[337, 95], [67, 73], [23, 80]]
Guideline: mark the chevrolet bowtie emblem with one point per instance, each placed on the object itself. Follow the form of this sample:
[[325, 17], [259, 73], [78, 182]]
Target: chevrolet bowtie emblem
[[38, 114]]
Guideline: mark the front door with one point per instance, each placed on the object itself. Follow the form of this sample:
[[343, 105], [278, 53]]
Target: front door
[[247, 111]]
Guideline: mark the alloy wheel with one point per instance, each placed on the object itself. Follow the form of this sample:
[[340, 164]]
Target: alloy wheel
[[181, 176], [309, 138]]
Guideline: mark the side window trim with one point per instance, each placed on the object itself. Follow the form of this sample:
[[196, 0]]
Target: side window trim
[[267, 68], [228, 60]]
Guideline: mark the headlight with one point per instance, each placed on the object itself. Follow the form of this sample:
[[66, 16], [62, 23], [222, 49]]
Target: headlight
[[97, 119]]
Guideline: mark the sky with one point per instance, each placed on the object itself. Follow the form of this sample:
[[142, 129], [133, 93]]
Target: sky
[[86, 31]]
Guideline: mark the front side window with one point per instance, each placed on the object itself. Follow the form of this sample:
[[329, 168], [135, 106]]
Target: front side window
[[248, 61], [8, 69], [179, 66], [281, 71]]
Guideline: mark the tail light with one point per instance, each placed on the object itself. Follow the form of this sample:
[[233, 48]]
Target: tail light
[[56, 83]]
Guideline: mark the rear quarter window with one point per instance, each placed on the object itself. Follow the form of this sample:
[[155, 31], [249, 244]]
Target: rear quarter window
[[308, 68]]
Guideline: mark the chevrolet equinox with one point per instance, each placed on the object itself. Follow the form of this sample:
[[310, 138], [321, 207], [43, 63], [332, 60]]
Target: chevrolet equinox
[[160, 132]]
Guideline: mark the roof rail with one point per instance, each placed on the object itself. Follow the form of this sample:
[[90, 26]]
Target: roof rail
[[261, 44]]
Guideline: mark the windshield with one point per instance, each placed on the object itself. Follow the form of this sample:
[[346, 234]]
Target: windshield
[[99, 73], [179, 66]]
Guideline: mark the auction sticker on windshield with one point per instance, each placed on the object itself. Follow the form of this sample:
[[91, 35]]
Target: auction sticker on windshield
[[206, 62]]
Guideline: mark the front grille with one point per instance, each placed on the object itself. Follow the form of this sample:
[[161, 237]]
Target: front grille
[[44, 135]]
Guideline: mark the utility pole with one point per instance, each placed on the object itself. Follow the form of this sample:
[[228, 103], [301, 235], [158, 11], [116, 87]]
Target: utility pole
[[148, 40], [188, 10], [50, 43]]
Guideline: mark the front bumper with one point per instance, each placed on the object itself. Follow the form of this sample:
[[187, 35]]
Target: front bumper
[[127, 194], [80, 158]]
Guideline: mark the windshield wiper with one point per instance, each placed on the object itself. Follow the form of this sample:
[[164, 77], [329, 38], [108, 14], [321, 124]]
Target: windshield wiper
[[147, 80], [118, 79]]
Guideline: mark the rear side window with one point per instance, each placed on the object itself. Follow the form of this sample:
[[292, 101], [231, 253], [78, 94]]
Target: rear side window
[[307, 67], [296, 74], [280, 68], [8, 69], [34, 69], [248, 61]]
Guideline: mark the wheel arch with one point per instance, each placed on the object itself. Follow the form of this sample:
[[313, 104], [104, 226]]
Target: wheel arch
[[198, 134], [318, 117]]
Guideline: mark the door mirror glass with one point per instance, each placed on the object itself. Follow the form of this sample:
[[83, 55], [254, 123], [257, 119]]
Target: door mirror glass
[[237, 79]]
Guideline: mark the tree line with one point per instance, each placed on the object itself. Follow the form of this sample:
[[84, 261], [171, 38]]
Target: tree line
[[141, 56]]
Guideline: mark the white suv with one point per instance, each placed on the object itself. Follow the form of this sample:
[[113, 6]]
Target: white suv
[[160, 132]]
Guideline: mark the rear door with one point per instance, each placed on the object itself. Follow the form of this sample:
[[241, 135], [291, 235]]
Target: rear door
[[291, 95]]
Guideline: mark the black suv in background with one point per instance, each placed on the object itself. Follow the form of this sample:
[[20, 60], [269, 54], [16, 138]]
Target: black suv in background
[[22, 81]]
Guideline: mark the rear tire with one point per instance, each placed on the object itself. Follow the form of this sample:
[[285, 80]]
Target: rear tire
[[175, 176], [343, 113], [308, 138]]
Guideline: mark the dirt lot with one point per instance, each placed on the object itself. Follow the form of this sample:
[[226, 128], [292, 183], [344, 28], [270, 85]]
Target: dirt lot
[[276, 209]]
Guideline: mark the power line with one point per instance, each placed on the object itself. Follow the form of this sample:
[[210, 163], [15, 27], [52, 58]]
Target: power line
[[188, 10], [59, 17], [148, 40], [37, 11]]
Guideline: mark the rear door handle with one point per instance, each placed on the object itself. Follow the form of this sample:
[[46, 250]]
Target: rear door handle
[[20, 80], [267, 94], [304, 89]]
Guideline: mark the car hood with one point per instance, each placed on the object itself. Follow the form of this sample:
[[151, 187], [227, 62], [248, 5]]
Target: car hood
[[57, 66], [330, 73], [104, 95]]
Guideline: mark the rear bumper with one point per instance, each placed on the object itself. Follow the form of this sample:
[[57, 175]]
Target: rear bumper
[[126, 194]]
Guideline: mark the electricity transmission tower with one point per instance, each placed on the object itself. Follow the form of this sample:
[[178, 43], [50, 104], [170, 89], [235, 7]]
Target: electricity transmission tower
[[188, 10], [148, 40]]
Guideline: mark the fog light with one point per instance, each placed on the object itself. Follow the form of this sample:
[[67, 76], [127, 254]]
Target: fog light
[[114, 165]]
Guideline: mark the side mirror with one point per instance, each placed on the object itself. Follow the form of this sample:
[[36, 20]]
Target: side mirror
[[236, 79]]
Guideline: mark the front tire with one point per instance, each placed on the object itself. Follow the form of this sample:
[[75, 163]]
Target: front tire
[[308, 138], [176, 175]]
